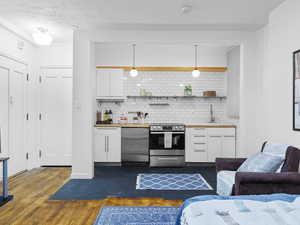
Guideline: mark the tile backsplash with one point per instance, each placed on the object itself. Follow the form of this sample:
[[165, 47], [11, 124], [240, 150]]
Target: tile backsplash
[[172, 83], [182, 110]]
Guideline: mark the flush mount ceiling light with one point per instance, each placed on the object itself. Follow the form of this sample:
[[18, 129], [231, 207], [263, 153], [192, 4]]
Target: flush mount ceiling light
[[185, 9], [133, 71], [196, 72], [42, 37]]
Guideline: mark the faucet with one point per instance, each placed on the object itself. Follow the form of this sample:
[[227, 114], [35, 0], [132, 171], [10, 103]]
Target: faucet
[[212, 117]]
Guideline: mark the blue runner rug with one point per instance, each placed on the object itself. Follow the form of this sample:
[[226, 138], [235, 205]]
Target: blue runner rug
[[137, 216], [171, 181]]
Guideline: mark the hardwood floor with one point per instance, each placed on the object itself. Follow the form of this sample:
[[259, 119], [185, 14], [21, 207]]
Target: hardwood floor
[[31, 206]]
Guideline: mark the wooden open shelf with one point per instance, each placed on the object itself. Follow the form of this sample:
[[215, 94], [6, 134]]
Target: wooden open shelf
[[157, 68]]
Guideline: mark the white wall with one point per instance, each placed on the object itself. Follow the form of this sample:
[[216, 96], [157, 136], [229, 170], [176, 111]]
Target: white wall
[[83, 107], [57, 54], [283, 39], [120, 54], [8, 45], [233, 83], [251, 100]]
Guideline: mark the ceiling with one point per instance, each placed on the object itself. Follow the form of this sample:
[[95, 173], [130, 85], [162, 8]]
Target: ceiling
[[61, 16]]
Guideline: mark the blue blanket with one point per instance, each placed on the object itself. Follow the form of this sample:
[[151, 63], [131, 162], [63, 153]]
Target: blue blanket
[[261, 198]]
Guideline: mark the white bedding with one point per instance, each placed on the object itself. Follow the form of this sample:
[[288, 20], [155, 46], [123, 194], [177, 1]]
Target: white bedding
[[242, 212]]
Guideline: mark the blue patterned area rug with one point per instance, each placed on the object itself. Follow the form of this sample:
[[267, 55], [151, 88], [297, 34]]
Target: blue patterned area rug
[[137, 216], [168, 181]]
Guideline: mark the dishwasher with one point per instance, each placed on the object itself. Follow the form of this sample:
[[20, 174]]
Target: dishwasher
[[135, 145]]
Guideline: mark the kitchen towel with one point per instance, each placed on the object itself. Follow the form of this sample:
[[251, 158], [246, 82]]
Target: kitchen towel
[[168, 139]]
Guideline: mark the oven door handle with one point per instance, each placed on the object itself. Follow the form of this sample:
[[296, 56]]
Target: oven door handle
[[166, 132], [168, 158]]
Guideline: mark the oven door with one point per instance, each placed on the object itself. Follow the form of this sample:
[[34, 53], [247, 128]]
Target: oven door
[[157, 140], [167, 140]]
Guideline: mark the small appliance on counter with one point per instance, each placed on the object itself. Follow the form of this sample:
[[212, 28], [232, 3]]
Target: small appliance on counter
[[104, 117], [209, 93]]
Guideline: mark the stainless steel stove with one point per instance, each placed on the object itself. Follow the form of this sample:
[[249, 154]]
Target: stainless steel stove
[[167, 145]]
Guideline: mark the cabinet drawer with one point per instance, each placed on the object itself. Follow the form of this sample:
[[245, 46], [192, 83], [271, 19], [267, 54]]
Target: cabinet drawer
[[198, 139], [198, 131], [199, 151], [221, 132], [108, 130], [199, 145], [197, 155]]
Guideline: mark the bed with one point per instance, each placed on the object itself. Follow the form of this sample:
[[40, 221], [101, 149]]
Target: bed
[[277, 209]]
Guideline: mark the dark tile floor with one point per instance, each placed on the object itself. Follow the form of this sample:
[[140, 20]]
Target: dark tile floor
[[121, 181]]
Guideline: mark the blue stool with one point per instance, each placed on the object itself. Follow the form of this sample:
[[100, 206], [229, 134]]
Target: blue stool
[[5, 197]]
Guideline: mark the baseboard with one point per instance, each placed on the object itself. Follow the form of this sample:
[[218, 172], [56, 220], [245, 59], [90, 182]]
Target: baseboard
[[81, 176], [107, 164], [204, 164]]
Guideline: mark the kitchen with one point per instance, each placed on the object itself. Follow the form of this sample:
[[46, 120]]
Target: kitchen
[[164, 114]]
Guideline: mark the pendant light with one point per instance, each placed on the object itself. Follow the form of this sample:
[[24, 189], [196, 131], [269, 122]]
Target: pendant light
[[196, 72], [133, 71]]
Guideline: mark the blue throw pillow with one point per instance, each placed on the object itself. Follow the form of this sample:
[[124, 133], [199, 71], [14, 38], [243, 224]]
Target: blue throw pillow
[[261, 162]]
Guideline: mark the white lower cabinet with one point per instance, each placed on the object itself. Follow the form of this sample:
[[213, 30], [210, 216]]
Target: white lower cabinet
[[206, 144], [107, 144]]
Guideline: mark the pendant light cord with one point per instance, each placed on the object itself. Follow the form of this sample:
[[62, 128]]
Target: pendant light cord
[[133, 55], [196, 56]]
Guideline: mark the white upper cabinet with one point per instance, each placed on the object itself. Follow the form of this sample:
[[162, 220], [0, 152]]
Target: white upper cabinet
[[109, 84]]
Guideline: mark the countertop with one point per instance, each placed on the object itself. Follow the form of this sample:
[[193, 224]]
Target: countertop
[[204, 125], [210, 125], [123, 125]]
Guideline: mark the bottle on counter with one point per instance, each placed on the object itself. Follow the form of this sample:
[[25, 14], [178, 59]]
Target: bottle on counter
[[123, 118], [110, 116], [98, 117]]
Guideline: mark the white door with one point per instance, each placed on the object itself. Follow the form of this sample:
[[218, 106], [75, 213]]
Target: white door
[[100, 146], [116, 83], [17, 121], [4, 110], [114, 147], [214, 147], [56, 117]]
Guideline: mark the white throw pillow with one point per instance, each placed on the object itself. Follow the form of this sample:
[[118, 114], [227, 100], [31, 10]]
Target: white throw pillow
[[261, 162]]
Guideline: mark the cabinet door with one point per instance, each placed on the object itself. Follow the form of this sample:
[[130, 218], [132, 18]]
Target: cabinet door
[[196, 146], [100, 147], [116, 82], [214, 147], [103, 83], [228, 147], [114, 146]]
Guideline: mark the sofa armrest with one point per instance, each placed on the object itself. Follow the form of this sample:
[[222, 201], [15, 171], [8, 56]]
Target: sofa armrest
[[229, 163], [266, 183]]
